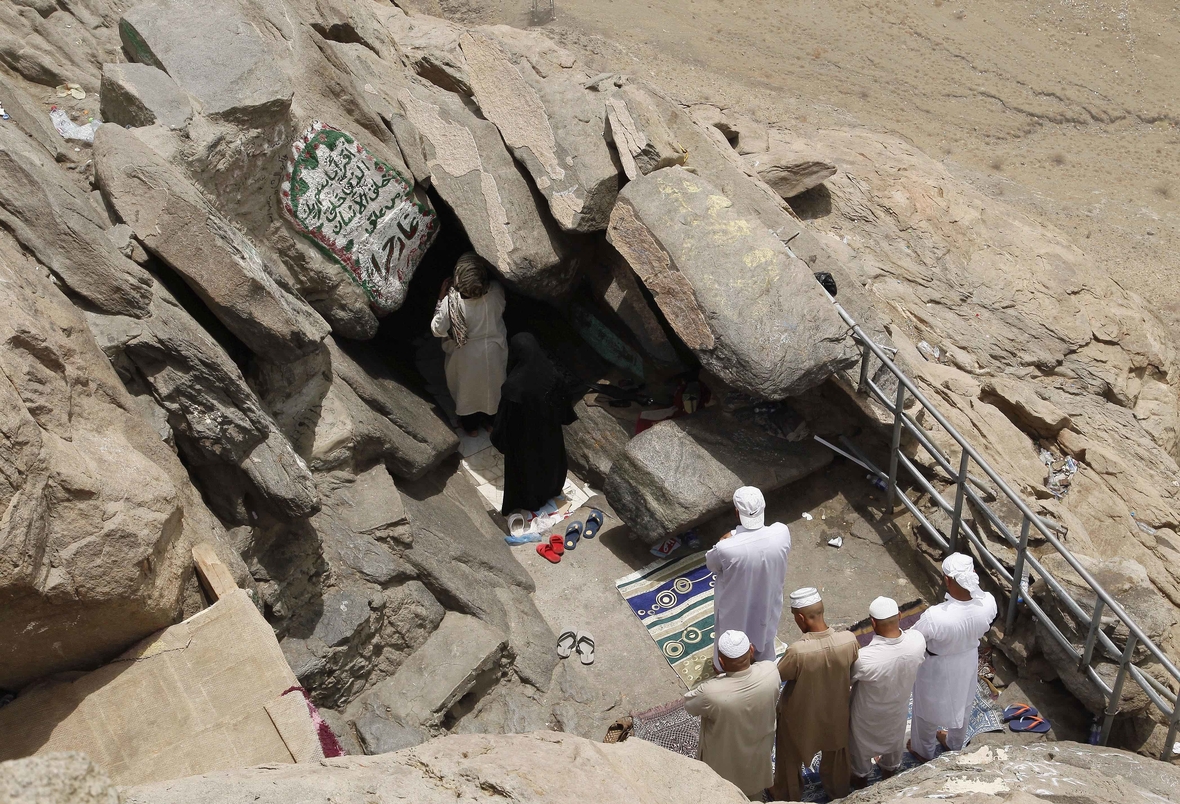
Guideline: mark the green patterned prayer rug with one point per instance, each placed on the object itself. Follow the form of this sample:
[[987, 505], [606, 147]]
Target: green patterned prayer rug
[[359, 210], [674, 601]]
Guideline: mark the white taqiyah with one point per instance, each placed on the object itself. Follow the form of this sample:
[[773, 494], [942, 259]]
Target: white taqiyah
[[807, 596], [883, 608], [751, 507], [733, 644]]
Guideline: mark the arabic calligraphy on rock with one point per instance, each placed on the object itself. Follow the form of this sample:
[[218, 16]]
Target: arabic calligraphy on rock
[[358, 209]]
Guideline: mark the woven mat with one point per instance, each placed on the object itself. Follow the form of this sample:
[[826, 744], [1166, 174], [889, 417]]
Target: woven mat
[[674, 601], [910, 612]]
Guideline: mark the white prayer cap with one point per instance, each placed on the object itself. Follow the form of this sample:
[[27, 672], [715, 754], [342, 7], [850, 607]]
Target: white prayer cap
[[733, 644], [961, 569], [807, 596], [883, 608], [751, 507]]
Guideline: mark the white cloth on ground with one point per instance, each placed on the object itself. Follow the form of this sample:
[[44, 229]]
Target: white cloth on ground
[[882, 680], [750, 569], [476, 372], [945, 688], [737, 714]]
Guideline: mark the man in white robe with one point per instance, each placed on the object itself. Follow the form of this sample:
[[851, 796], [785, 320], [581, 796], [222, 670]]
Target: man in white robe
[[737, 712], [749, 565], [944, 691], [882, 680]]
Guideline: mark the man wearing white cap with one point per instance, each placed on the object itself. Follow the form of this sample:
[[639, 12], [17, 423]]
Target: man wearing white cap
[[749, 565], [813, 710], [737, 716], [882, 680], [945, 688]]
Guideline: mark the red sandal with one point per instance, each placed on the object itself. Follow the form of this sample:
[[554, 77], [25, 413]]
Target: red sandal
[[554, 550]]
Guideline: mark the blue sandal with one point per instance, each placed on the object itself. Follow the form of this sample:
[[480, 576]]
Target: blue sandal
[[572, 534], [593, 524]]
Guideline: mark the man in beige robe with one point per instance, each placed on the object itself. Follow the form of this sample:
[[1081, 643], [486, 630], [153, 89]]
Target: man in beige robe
[[813, 710], [737, 715]]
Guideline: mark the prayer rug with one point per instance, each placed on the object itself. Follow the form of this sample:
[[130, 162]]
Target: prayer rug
[[673, 598], [910, 612], [358, 210]]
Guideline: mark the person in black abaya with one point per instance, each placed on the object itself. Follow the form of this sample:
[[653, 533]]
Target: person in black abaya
[[534, 404]]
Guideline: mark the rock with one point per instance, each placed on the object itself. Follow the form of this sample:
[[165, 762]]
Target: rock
[[457, 550], [140, 95], [215, 54], [345, 612], [100, 516], [1063, 771], [618, 290], [594, 442], [744, 134], [216, 417], [361, 209], [432, 47], [651, 487], [554, 126], [1024, 408], [61, 778], [417, 438], [55, 221], [174, 221], [453, 661], [467, 767], [27, 115], [473, 172], [760, 322], [642, 138], [530, 640], [790, 172], [379, 735]]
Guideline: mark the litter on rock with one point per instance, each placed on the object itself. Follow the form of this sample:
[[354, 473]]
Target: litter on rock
[[1061, 473], [3, 114], [808, 516], [666, 548], [929, 352], [71, 130], [72, 90], [836, 541]]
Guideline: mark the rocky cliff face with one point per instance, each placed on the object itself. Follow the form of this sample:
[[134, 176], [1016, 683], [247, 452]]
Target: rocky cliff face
[[191, 305]]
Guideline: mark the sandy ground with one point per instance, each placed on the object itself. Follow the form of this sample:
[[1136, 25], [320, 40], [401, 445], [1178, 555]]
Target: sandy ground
[[1068, 109]]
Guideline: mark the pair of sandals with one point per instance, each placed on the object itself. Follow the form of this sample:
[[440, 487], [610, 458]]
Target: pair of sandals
[[555, 548], [1025, 718], [581, 642]]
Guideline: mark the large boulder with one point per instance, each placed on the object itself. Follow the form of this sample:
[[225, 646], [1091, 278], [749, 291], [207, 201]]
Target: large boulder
[[748, 308], [642, 138], [1029, 774], [99, 515], [215, 53], [553, 124], [474, 173], [789, 172], [56, 222], [680, 473], [174, 221], [141, 95]]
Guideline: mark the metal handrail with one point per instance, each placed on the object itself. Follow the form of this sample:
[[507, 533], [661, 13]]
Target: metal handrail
[[1095, 637]]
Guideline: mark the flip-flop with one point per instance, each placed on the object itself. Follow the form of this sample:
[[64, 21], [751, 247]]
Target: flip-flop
[[1019, 710], [572, 534], [1036, 724], [593, 524], [585, 647], [619, 730], [557, 544], [566, 643], [547, 552]]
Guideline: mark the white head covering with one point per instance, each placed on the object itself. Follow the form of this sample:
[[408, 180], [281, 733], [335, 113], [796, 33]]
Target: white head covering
[[751, 507], [883, 608], [733, 644], [961, 569], [807, 596]]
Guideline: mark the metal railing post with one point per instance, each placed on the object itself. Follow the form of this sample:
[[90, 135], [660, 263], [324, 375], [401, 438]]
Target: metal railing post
[[1092, 636], [865, 354], [1170, 741], [1116, 692], [898, 420], [957, 516], [1017, 578]]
